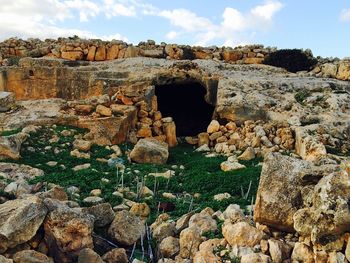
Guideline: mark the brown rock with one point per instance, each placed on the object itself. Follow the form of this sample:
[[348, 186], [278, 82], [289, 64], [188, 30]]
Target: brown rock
[[87, 255], [232, 56], [67, 231], [103, 214], [91, 53], [214, 126], [25, 227], [190, 239], [31, 256], [302, 253], [84, 109], [150, 151], [72, 55], [126, 228], [117, 255], [170, 133], [112, 52], [169, 247], [104, 111], [10, 146], [203, 138], [140, 209], [241, 234], [100, 53], [255, 258], [344, 70], [253, 60], [82, 145], [279, 250], [144, 132]]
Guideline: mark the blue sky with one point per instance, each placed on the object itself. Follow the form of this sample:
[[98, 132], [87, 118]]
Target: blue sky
[[323, 26]]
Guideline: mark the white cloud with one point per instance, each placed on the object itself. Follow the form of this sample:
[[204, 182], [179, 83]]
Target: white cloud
[[33, 18], [186, 20], [172, 35], [345, 15], [236, 27]]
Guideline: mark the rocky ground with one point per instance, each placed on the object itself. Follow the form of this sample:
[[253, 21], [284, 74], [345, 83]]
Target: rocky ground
[[104, 178]]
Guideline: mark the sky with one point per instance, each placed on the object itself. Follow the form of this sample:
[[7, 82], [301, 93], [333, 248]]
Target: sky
[[322, 26]]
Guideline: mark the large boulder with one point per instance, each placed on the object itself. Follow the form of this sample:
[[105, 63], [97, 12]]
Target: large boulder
[[126, 228], [20, 219], [14, 171], [67, 231], [10, 146], [150, 151], [279, 192], [329, 215], [7, 101]]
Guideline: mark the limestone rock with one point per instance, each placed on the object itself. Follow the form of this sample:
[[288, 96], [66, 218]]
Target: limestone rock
[[116, 255], [126, 228], [26, 226], [150, 151], [255, 258], [14, 172], [103, 214], [279, 192], [82, 145], [231, 165], [7, 101], [330, 197], [190, 239], [203, 221], [104, 111], [214, 126], [72, 55], [206, 252], [64, 225], [163, 230], [302, 253], [344, 70], [234, 214], [31, 256], [247, 155], [100, 54], [140, 209], [222, 196], [279, 250], [5, 260], [10, 146], [169, 247], [241, 234], [308, 146], [170, 133], [87, 255]]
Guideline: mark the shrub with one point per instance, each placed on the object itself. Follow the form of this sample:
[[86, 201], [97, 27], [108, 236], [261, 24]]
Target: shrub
[[293, 60], [13, 61]]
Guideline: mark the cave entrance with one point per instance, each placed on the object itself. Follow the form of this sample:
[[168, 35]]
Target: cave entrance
[[185, 103]]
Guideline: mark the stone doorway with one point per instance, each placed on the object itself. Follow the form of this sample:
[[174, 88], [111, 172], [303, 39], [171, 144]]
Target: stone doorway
[[185, 103]]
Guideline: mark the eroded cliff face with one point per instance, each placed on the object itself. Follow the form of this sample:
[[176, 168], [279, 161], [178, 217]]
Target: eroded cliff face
[[238, 92]]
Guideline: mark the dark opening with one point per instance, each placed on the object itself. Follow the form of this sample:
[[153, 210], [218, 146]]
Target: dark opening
[[185, 103]]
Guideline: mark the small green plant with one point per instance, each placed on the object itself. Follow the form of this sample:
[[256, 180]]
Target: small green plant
[[302, 95], [13, 61], [10, 132]]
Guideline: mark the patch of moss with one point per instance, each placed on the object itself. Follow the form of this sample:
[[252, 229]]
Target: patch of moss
[[10, 132]]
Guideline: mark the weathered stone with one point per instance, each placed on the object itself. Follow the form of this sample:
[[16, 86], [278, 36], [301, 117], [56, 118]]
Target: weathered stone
[[67, 231], [308, 146], [91, 53], [150, 151], [206, 252], [100, 54], [302, 253], [203, 139], [82, 145], [84, 109], [214, 126], [72, 55], [87, 255], [31, 256], [169, 247], [203, 221], [26, 226], [126, 228], [170, 133], [112, 52], [330, 197], [10, 146], [5, 260], [344, 70], [104, 111], [140, 209], [163, 230], [103, 214], [14, 172], [7, 101], [255, 258], [247, 155], [117, 255], [279, 192], [190, 239], [232, 55], [241, 234], [279, 250], [234, 214]]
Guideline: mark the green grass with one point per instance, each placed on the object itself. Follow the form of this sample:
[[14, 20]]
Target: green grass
[[201, 175], [10, 132], [302, 95]]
